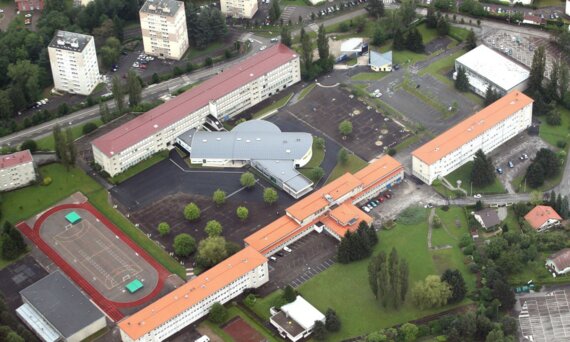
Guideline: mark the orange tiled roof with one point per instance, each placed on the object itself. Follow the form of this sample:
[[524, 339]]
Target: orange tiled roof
[[540, 214], [272, 234], [345, 213], [189, 294], [317, 201], [378, 170], [471, 127]]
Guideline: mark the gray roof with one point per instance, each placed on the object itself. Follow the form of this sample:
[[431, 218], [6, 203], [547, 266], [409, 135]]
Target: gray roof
[[58, 300], [70, 41], [489, 217], [284, 170], [379, 59], [162, 7]]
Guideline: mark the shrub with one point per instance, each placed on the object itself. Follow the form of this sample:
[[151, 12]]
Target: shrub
[[413, 215], [89, 127], [47, 181], [392, 151], [561, 143], [218, 313], [250, 300], [29, 145]]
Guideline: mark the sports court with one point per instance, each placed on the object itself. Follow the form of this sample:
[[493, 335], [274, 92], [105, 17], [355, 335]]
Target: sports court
[[546, 318], [240, 331], [112, 269]]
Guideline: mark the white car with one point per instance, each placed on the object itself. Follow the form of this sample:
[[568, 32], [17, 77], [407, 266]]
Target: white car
[[378, 94], [1, 10], [477, 196], [262, 48], [365, 208], [136, 64], [28, 15], [287, 249]]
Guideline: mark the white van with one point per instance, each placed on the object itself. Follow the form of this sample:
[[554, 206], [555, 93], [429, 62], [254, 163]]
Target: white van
[[204, 338]]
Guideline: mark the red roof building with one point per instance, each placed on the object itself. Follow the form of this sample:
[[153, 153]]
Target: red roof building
[[542, 217], [30, 5]]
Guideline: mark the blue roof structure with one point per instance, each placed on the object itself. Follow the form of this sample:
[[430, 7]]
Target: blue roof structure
[[380, 59]]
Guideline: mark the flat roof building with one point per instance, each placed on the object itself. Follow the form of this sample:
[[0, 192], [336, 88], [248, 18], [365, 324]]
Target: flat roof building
[[164, 30], [484, 130], [73, 61], [486, 67], [56, 310], [239, 8], [16, 170], [258, 143], [296, 320], [223, 96]]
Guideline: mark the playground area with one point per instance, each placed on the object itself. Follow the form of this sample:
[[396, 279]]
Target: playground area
[[112, 269]]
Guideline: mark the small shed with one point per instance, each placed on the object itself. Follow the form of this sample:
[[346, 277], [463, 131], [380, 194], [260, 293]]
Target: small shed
[[380, 61], [73, 217], [134, 286]]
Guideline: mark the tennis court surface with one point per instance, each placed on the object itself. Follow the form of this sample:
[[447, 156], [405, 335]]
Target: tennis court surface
[[97, 256]]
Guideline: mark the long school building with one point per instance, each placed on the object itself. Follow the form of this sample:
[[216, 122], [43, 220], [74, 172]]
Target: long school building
[[331, 208], [485, 130], [223, 96]]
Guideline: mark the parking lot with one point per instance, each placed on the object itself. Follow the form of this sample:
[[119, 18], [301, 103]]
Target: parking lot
[[545, 316], [309, 256], [372, 132]]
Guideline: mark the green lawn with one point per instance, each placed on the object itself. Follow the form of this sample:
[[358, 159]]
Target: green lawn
[[458, 33], [549, 3], [207, 51], [511, 220], [345, 287], [21, 204], [47, 143], [442, 65], [306, 91], [519, 185], [552, 134], [316, 160], [455, 221], [464, 174], [140, 167], [294, 3], [353, 165], [536, 272], [427, 34], [274, 106], [369, 76]]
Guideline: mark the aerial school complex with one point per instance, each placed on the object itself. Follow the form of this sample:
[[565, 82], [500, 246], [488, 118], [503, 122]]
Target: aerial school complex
[[331, 208]]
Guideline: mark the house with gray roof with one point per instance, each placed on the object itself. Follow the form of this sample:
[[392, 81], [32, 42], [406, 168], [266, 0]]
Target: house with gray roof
[[488, 218], [559, 262], [258, 143], [379, 61], [56, 310]]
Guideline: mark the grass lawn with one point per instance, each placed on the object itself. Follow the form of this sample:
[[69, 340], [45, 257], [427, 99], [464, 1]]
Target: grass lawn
[[47, 143], [306, 91], [404, 56], [511, 220], [407, 142], [140, 167], [369, 76], [207, 51], [353, 165], [519, 185], [351, 297], [464, 174], [294, 3], [458, 33], [316, 160], [21, 204], [553, 134], [455, 221], [549, 3], [274, 106], [427, 34], [536, 272]]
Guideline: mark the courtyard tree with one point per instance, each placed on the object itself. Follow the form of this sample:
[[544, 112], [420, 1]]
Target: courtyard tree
[[535, 175], [491, 95], [163, 228], [192, 212], [218, 313], [211, 251], [247, 180], [270, 196], [332, 322], [461, 80], [213, 228], [342, 156], [316, 174], [219, 197], [319, 331], [442, 27], [537, 70], [482, 173], [242, 213], [457, 284], [431, 293], [184, 245], [345, 128], [289, 294]]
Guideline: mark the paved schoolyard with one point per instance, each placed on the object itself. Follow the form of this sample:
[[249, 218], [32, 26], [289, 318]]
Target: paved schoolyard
[[545, 317], [325, 108], [310, 255]]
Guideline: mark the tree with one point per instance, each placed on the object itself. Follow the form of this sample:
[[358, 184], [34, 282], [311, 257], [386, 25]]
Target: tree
[[192, 212], [110, 52], [219, 197], [378, 37], [29, 145], [431, 293], [286, 36], [504, 293], [25, 82], [457, 284], [14, 337], [270, 196], [470, 41], [184, 245], [342, 156], [218, 313], [163, 228], [242, 213], [345, 128], [213, 228], [134, 88], [289, 294], [375, 8], [414, 41], [399, 43], [410, 332], [323, 43], [332, 323], [118, 95], [491, 95], [247, 180], [442, 27], [404, 274], [407, 11], [306, 53], [563, 83], [549, 161], [70, 147], [105, 113], [551, 90], [13, 244], [537, 72], [431, 18], [535, 175], [496, 335], [316, 174], [482, 173], [461, 81], [211, 251], [274, 11], [319, 331], [319, 143], [58, 142]]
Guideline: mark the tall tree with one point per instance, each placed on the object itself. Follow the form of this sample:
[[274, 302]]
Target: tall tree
[[537, 70], [306, 51], [274, 11], [58, 141], [118, 95], [563, 82], [407, 11], [482, 173], [442, 26], [286, 36], [470, 41], [457, 284], [332, 322], [461, 81], [399, 43], [431, 293], [70, 147], [431, 18], [104, 112], [323, 43], [551, 90], [394, 278], [134, 88], [289, 294], [491, 95], [404, 274], [375, 8], [211, 251]]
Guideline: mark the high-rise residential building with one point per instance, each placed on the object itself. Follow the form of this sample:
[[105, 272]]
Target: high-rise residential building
[[73, 62], [164, 31], [239, 8], [16, 170]]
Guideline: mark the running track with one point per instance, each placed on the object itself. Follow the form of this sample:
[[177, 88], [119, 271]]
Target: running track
[[110, 307]]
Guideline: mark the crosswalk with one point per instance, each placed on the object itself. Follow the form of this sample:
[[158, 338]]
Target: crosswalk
[[190, 273]]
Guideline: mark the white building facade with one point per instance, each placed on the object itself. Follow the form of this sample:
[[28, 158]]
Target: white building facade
[[250, 82], [16, 170], [164, 30], [73, 61], [239, 8], [485, 130]]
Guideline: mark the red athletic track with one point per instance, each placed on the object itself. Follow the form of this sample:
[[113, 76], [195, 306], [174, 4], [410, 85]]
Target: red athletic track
[[110, 307]]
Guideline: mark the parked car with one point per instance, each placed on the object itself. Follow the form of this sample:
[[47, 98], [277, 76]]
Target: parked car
[[274, 40], [499, 171], [477, 196], [262, 48], [365, 208], [388, 196], [511, 165], [381, 199], [29, 15], [373, 204], [287, 249], [280, 254], [272, 258]]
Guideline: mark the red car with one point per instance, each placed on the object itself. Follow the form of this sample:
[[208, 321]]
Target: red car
[[381, 199]]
